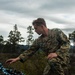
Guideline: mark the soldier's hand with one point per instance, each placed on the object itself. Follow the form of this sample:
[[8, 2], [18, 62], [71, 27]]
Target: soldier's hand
[[12, 60], [51, 55]]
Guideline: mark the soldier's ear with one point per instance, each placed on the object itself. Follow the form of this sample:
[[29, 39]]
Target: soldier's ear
[[42, 26]]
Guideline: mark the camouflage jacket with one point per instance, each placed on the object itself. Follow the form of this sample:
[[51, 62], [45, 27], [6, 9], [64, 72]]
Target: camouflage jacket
[[56, 41]]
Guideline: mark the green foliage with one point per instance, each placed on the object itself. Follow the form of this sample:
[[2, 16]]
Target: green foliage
[[1, 39], [30, 36], [72, 36], [15, 36], [11, 44], [33, 66]]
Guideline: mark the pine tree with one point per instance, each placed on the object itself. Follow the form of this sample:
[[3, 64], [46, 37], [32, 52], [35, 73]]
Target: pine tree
[[1, 39], [30, 36], [15, 37]]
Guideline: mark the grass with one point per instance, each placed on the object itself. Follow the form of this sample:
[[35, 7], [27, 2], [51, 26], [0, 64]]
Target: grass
[[33, 66]]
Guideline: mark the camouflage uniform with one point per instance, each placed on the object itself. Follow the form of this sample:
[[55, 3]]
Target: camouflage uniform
[[55, 42]]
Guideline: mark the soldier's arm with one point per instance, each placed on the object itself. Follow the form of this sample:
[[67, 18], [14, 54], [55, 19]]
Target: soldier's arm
[[64, 45], [28, 53]]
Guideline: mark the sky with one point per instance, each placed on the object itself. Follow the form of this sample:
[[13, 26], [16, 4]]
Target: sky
[[57, 14]]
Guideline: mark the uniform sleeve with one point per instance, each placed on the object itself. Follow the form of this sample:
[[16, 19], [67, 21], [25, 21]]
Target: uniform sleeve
[[28, 53], [64, 45]]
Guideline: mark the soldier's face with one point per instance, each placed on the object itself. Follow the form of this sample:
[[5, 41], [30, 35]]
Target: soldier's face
[[38, 29]]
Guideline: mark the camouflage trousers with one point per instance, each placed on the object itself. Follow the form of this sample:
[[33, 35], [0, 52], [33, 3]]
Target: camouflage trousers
[[54, 67]]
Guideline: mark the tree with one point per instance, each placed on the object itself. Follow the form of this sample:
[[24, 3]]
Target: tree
[[1, 43], [15, 37], [72, 36], [1, 39], [30, 36]]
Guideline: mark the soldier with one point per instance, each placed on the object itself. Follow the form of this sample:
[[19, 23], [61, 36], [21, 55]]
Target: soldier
[[54, 43]]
